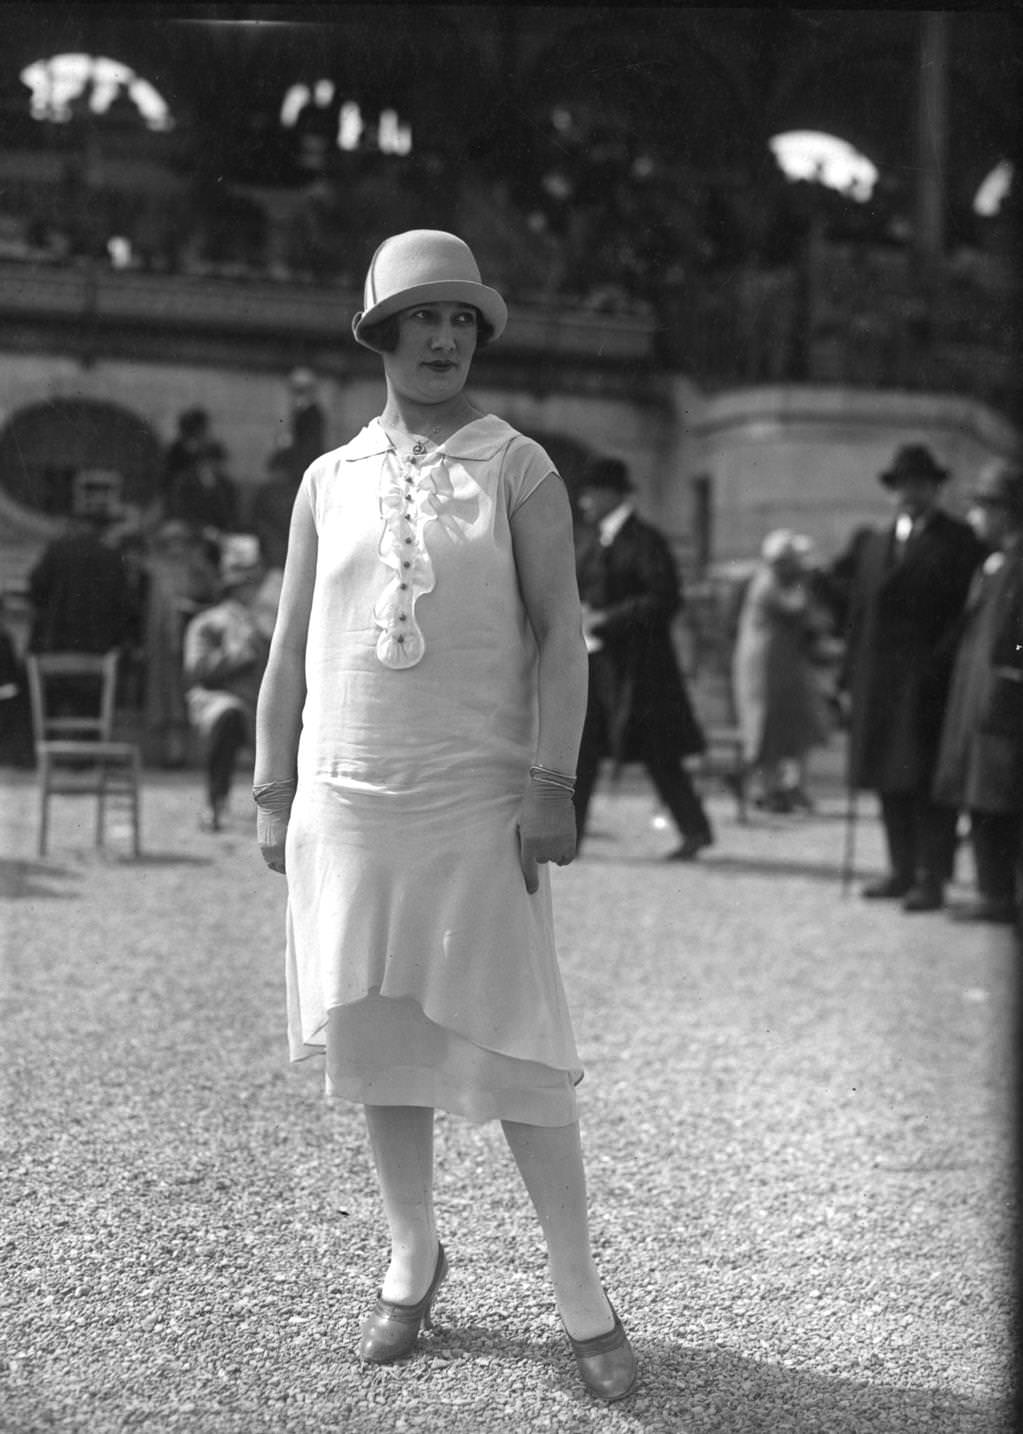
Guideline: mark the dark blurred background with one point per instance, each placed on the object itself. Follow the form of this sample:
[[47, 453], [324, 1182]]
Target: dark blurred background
[[189, 195]]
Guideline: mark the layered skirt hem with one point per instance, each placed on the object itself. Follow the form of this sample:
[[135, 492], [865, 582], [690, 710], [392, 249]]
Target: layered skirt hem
[[386, 1051]]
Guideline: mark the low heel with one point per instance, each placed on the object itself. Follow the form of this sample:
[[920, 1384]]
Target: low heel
[[606, 1363], [390, 1331]]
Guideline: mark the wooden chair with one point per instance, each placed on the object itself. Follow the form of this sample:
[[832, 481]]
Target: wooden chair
[[75, 753]]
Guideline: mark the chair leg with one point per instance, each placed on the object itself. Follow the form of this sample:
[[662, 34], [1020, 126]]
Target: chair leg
[[101, 797], [44, 802], [136, 783]]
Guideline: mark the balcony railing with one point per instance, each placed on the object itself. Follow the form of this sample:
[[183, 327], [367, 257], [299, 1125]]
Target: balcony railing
[[104, 296], [861, 318]]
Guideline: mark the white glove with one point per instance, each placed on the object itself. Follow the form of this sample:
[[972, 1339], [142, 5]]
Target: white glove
[[273, 810], [547, 830]]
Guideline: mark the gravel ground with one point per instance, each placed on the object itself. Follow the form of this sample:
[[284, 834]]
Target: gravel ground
[[796, 1114]]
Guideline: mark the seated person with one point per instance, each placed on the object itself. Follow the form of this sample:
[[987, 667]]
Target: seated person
[[225, 652]]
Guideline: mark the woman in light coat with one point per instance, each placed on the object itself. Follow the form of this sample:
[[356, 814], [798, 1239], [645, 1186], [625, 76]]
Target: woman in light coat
[[780, 705]]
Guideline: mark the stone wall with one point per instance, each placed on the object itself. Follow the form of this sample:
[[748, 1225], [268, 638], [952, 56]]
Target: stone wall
[[809, 457], [794, 455]]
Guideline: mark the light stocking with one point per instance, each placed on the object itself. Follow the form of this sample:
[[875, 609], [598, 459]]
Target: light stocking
[[401, 1138], [551, 1164]]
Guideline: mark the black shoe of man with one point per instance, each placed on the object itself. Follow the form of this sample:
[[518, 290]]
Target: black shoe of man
[[923, 897]]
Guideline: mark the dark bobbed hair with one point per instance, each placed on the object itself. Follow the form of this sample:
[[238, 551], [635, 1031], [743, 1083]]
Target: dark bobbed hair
[[384, 336]]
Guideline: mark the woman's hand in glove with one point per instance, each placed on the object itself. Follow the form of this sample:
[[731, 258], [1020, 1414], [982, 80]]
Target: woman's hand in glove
[[273, 809], [547, 830], [271, 831]]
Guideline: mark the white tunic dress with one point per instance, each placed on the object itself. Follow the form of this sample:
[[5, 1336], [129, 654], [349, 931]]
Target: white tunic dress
[[416, 958]]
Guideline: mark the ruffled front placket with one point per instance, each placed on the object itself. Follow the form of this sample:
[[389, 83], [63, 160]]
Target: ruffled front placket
[[408, 495]]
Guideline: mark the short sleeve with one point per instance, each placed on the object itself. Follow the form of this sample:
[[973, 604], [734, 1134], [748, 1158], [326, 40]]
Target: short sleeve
[[315, 477], [526, 465]]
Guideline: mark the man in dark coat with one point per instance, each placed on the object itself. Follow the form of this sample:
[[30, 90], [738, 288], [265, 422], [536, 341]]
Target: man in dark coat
[[79, 592], [183, 453], [272, 504], [308, 423], [638, 708], [980, 764], [82, 602], [906, 600], [203, 496]]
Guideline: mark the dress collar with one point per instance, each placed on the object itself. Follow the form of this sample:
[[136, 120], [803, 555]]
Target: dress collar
[[479, 439]]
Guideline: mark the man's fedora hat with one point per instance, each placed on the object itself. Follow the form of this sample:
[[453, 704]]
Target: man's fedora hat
[[915, 460], [424, 266], [606, 473]]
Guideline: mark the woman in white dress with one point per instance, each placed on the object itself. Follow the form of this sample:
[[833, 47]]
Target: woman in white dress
[[417, 734]]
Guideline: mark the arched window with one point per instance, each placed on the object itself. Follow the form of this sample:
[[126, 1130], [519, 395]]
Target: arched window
[[46, 446], [61, 82], [812, 155], [304, 103]]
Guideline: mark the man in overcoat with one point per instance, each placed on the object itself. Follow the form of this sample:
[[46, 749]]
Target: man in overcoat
[[638, 708], [308, 423], [906, 601], [980, 764], [79, 590]]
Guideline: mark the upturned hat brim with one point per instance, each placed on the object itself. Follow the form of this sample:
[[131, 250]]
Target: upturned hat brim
[[455, 291]]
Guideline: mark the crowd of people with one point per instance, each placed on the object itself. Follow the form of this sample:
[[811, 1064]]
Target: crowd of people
[[182, 578], [929, 611], [909, 614], [934, 662], [925, 615]]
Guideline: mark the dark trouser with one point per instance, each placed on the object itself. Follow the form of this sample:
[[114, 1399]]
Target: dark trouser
[[669, 777], [997, 842], [226, 740], [921, 838]]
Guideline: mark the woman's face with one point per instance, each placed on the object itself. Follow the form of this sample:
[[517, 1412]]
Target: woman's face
[[436, 344]]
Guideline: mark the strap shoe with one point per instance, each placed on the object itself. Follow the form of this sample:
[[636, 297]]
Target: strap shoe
[[606, 1363], [390, 1331]]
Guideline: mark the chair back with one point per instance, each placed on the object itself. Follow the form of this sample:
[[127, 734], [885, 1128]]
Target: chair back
[[98, 675]]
